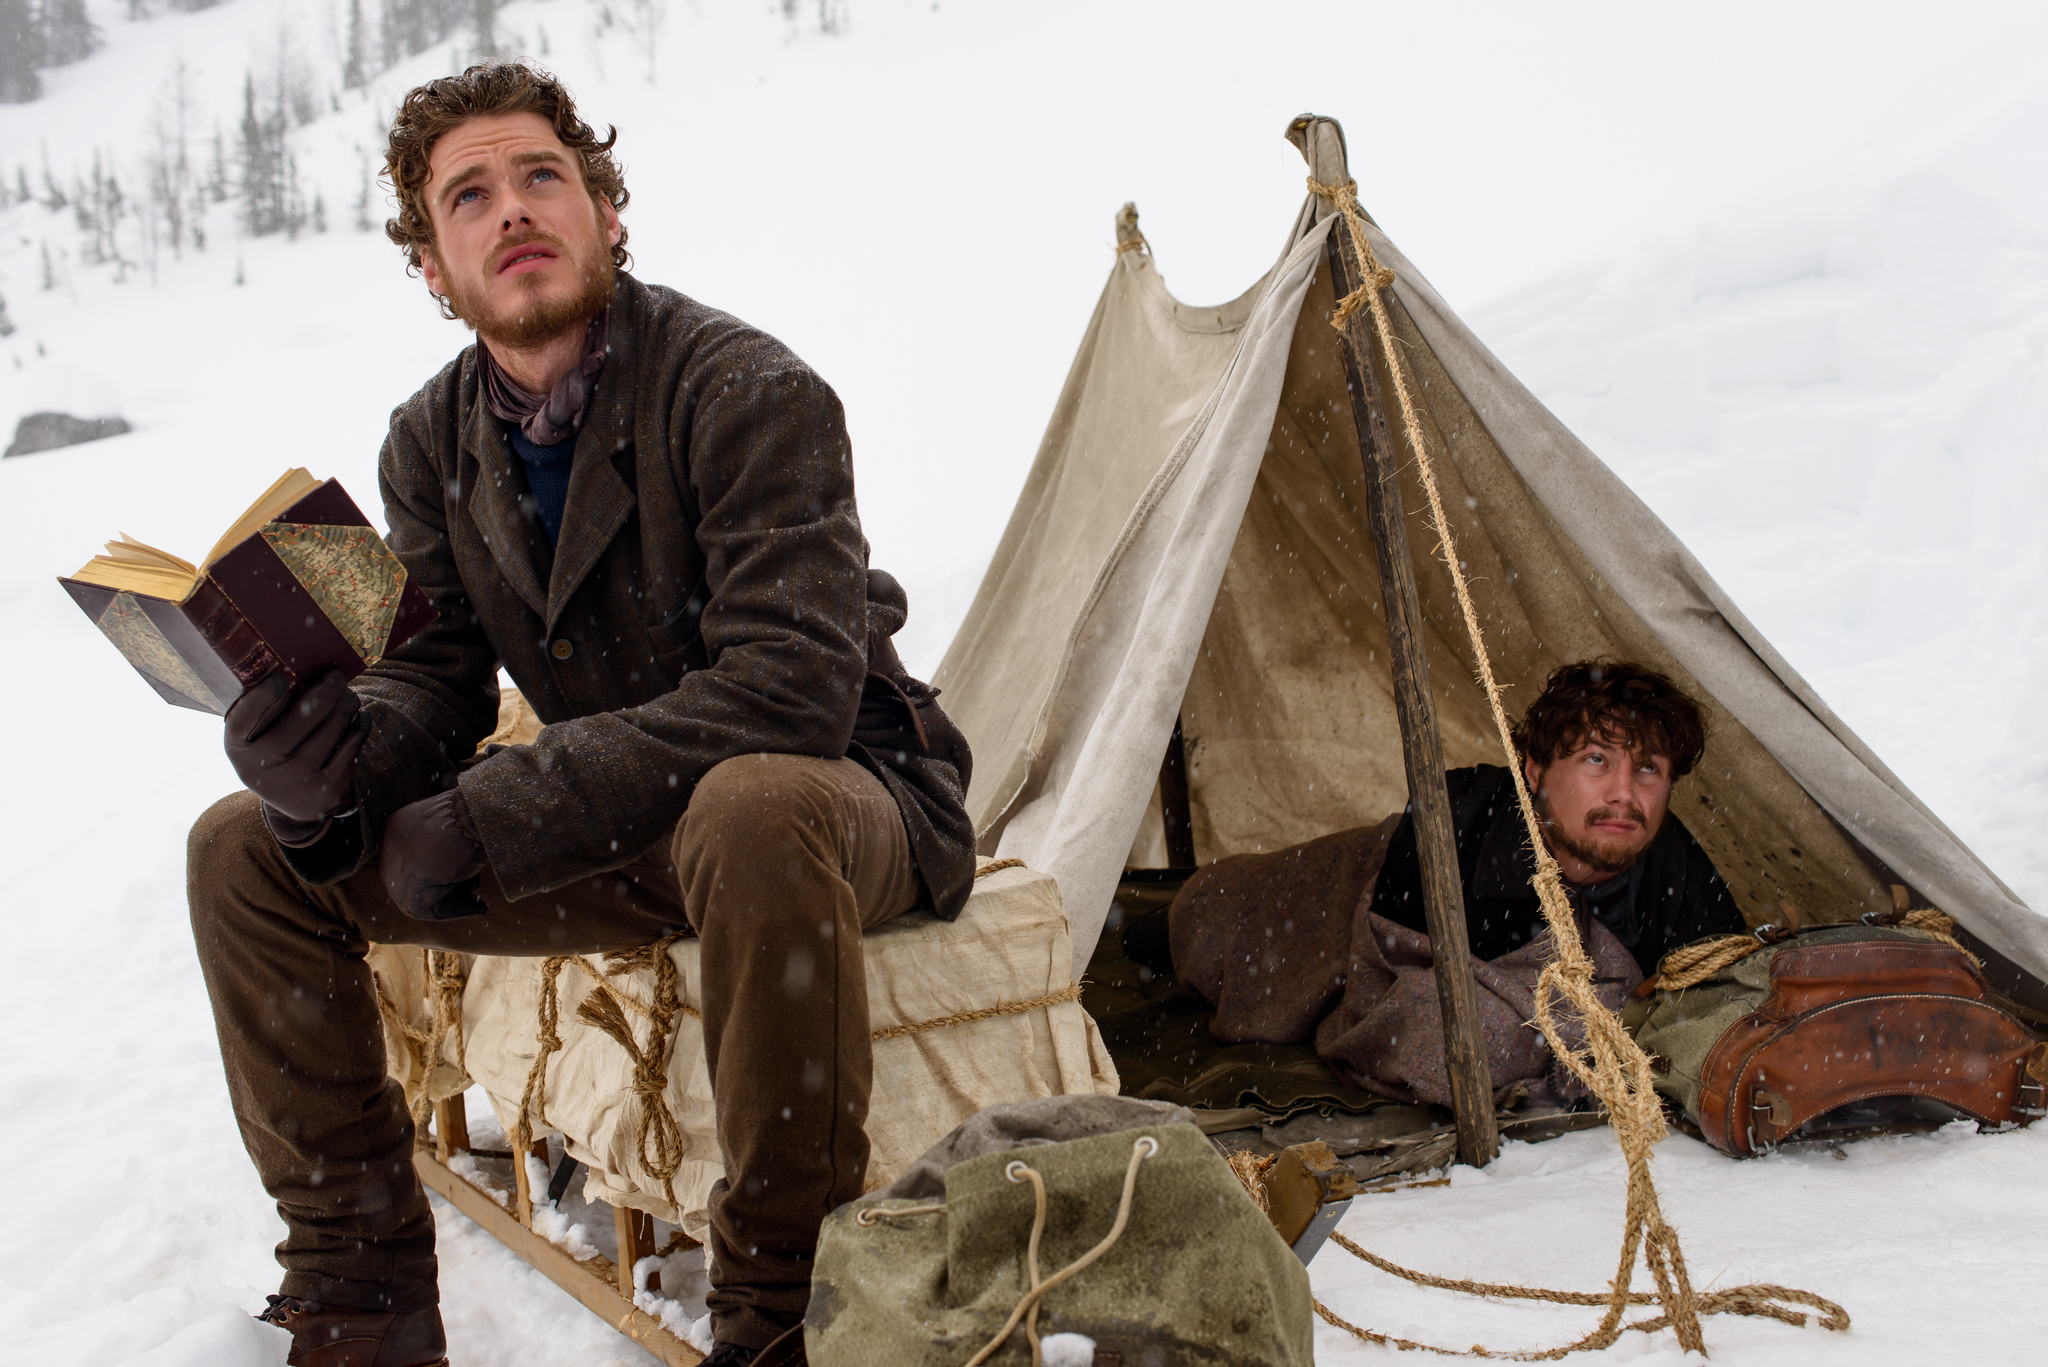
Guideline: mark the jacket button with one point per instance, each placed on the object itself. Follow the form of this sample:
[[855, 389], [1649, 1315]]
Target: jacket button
[[561, 650]]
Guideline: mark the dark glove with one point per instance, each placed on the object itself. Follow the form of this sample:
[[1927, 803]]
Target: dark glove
[[296, 749], [432, 856]]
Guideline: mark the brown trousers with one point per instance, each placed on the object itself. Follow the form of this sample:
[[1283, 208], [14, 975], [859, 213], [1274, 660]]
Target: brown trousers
[[778, 865]]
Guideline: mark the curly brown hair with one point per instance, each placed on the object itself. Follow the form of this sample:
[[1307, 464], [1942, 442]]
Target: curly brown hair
[[1620, 702], [489, 88]]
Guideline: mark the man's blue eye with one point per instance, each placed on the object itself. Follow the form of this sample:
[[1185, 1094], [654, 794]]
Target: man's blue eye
[[463, 198], [549, 174]]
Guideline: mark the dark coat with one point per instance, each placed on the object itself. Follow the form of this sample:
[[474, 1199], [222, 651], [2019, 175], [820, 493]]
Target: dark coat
[[708, 596]]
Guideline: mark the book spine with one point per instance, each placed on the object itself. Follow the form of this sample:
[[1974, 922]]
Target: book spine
[[232, 637]]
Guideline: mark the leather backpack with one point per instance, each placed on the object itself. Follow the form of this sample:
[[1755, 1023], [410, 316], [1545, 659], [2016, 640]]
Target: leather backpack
[[1754, 1049]]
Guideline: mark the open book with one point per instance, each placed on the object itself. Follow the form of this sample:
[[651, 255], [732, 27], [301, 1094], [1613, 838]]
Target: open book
[[301, 584]]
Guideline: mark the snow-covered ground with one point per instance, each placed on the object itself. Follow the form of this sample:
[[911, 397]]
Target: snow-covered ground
[[1785, 267]]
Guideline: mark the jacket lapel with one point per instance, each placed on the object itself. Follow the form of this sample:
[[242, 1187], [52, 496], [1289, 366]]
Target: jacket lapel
[[600, 500], [515, 540]]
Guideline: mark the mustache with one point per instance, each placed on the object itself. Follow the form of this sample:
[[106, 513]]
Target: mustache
[[525, 239], [1632, 813]]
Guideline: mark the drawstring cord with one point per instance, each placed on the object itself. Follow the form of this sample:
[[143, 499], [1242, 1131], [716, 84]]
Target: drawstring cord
[[1020, 1171]]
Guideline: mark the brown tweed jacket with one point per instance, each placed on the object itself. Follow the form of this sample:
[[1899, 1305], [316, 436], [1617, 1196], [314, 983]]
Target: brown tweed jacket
[[708, 596]]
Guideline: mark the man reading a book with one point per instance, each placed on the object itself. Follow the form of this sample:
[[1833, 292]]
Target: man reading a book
[[643, 510]]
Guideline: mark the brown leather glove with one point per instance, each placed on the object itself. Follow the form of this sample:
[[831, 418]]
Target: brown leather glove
[[296, 749], [432, 858]]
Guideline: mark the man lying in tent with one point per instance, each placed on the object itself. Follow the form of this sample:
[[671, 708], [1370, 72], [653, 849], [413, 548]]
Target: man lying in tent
[[644, 510], [1601, 749]]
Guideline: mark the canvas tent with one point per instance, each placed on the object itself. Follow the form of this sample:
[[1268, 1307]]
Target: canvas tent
[[1190, 546]]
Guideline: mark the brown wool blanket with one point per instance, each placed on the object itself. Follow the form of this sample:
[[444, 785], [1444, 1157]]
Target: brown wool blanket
[[1287, 949]]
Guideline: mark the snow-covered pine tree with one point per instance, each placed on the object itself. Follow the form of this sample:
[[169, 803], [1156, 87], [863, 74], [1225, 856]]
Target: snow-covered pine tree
[[69, 34], [357, 53], [413, 26], [262, 170], [484, 14], [21, 48], [294, 201], [169, 164], [390, 37], [643, 19], [363, 223], [85, 201], [217, 172], [54, 198]]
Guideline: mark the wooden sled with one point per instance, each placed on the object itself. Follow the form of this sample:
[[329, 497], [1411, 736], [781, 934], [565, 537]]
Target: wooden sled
[[603, 1286]]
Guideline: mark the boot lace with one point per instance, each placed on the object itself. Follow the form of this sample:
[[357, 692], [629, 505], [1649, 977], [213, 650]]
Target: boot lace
[[279, 1308]]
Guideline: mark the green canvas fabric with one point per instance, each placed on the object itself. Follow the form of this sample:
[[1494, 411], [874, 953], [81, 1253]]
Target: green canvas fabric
[[1681, 1027], [1198, 1277]]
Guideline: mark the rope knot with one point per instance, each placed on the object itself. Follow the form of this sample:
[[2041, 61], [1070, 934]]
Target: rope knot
[[1373, 277]]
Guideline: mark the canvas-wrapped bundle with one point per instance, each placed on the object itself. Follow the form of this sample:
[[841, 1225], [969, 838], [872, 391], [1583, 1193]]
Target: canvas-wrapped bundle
[[968, 1013]]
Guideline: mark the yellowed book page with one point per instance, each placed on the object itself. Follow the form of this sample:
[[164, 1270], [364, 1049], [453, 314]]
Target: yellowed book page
[[157, 581], [293, 485], [142, 553]]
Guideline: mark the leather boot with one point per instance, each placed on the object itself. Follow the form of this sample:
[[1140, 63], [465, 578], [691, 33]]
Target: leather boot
[[786, 1351], [331, 1336]]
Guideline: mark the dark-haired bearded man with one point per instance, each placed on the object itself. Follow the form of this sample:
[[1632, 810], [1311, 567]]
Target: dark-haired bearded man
[[1327, 941], [1600, 747], [644, 511]]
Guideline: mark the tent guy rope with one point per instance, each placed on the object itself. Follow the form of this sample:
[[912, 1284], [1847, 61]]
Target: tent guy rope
[[1609, 1063]]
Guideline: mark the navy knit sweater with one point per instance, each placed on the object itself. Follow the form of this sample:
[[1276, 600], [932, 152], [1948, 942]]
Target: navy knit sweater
[[547, 476]]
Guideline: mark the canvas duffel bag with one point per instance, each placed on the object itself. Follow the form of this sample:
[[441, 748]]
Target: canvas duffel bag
[[1175, 1263], [1829, 1017]]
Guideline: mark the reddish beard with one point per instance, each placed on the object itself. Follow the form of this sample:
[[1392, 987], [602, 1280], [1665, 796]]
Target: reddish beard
[[1609, 856], [528, 319]]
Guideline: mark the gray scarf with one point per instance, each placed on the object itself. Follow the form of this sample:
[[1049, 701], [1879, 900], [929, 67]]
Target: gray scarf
[[547, 419]]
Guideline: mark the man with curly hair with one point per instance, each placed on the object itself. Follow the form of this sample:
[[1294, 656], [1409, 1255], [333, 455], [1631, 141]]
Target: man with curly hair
[[1600, 747], [643, 511]]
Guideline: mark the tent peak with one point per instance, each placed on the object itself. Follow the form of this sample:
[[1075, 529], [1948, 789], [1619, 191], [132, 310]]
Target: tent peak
[[1128, 238], [1320, 140]]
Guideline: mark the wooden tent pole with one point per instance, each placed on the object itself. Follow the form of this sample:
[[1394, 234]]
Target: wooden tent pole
[[1443, 894]]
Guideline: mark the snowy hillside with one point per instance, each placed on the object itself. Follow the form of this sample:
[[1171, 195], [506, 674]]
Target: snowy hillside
[[1787, 273]]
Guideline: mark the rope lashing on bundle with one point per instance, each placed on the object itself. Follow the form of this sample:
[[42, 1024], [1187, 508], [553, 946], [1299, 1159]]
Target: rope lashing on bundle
[[1691, 965], [659, 1134], [446, 976], [1609, 1062]]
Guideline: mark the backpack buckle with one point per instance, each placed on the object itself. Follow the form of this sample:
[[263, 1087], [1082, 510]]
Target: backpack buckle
[[2028, 1082]]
